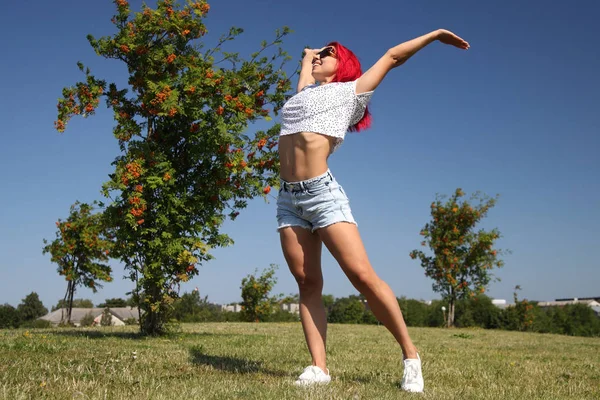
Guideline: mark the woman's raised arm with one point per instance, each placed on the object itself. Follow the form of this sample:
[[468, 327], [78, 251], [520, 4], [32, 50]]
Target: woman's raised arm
[[398, 55]]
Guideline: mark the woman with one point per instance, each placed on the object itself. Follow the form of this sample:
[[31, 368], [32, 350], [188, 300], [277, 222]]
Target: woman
[[312, 207]]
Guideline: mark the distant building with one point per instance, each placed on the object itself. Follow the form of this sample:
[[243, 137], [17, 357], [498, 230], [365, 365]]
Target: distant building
[[293, 308], [231, 307], [580, 298], [593, 304], [590, 303], [500, 303], [119, 315]]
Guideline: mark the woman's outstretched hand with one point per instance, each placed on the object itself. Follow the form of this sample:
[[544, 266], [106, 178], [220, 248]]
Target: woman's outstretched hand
[[450, 38]]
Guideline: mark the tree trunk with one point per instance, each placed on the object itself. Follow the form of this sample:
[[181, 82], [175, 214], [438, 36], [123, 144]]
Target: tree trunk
[[154, 319], [71, 290], [451, 312], [64, 303]]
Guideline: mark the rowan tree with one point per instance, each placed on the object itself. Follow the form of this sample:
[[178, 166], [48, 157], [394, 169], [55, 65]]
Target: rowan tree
[[463, 257], [81, 249], [257, 304], [187, 159]]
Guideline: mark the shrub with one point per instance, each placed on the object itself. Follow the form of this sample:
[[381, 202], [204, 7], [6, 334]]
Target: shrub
[[37, 324], [87, 320]]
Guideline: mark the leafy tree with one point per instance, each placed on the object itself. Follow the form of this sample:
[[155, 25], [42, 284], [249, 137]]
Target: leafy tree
[[256, 303], [414, 311], [190, 307], [110, 303], [435, 315], [31, 307], [77, 303], [583, 319], [328, 301], [483, 312], [520, 315], [106, 319], [9, 317], [186, 161], [132, 301], [290, 299], [462, 257], [81, 249], [347, 310]]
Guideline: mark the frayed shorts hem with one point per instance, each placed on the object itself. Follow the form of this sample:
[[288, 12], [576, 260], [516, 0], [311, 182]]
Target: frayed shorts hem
[[315, 228]]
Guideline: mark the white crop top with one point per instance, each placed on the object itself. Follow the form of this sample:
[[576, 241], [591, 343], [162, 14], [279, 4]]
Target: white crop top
[[329, 109]]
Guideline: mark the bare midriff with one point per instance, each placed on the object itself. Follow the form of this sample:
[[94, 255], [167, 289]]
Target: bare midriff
[[304, 155]]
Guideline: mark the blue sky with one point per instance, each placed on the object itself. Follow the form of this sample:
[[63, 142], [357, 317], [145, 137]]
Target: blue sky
[[516, 115]]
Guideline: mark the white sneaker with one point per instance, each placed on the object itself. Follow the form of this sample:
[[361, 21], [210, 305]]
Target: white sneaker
[[313, 375], [412, 380]]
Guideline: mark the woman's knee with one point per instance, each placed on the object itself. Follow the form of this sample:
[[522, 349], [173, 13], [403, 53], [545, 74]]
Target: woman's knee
[[364, 279], [309, 284]]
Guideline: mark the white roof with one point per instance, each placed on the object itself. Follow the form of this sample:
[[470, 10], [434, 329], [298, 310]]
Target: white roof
[[77, 314], [590, 303]]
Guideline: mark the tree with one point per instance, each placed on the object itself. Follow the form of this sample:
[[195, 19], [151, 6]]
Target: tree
[[31, 307], [347, 310], [462, 257], [111, 303], [81, 248], [414, 312], [290, 299], [77, 303], [186, 161], [520, 315], [328, 301], [9, 317], [106, 319], [256, 303]]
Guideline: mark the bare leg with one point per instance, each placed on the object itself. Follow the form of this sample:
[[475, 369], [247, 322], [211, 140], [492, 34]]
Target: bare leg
[[345, 244], [302, 251]]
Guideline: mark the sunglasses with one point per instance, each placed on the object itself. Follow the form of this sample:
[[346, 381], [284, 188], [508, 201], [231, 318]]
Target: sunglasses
[[326, 52]]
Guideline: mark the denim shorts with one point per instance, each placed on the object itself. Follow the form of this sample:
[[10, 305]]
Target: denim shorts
[[313, 203]]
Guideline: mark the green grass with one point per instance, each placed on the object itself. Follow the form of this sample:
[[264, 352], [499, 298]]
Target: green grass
[[260, 361]]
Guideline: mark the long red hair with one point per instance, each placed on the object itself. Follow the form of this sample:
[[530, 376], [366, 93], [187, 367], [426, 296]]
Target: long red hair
[[348, 70]]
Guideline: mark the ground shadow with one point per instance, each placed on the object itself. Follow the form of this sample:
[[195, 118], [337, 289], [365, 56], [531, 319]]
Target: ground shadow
[[230, 364], [100, 334]]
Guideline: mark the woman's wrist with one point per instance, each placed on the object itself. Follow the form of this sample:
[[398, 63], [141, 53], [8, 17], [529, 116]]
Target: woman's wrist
[[435, 35]]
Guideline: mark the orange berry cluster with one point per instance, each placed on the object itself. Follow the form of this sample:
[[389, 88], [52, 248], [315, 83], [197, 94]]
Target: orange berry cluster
[[134, 169]]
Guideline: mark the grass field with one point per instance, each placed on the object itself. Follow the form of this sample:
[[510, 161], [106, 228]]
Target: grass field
[[260, 361]]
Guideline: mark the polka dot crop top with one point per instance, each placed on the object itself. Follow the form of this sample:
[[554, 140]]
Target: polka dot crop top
[[328, 109]]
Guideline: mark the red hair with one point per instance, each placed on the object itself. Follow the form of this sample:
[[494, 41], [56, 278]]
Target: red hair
[[348, 70]]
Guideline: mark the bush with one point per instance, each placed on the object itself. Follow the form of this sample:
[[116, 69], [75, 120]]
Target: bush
[[87, 320], [414, 311], [478, 311], [9, 317], [36, 324], [347, 310], [575, 320], [435, 315], [131, 321], [369, 318], [106, 318], [283, 316]]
